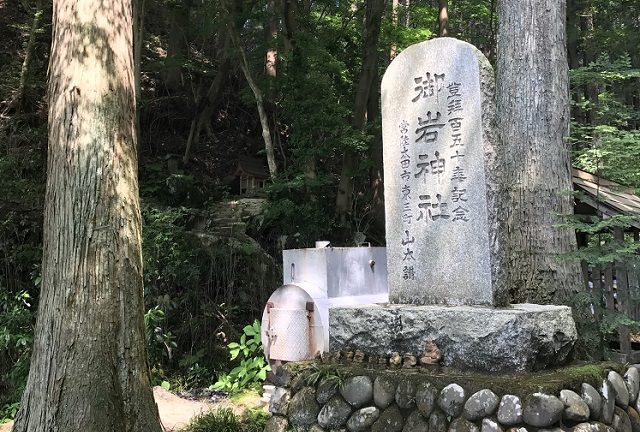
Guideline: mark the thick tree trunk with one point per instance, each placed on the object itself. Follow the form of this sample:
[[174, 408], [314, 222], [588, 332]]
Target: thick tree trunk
[[89, 367], [533, 116], [344, 198]]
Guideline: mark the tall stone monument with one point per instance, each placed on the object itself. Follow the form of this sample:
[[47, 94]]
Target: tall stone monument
[[443, 244], [443, 206]]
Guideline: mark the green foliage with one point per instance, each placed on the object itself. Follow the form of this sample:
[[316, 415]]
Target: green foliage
[[188, 281], [297, 209], [159, 343], [8, 412], [610, 146], [193, 374], [169, 258], [224, 420], [17, 318], [615, 154], [324, 373], [252, 369]]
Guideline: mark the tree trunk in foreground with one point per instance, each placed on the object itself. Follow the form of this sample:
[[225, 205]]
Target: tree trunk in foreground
[[533, 118], [89, 367]]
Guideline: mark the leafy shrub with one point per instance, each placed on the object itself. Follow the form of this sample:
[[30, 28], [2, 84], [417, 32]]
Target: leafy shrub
[[252, 369], [17, 318], [224, 420], [197, 288], [159, 343], [8, 412]]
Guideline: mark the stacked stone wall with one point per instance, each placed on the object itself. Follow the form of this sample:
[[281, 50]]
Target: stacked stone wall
[[334, 399]]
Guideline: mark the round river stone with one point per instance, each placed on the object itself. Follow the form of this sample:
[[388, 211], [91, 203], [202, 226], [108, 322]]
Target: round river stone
[[384, 391], [542, 410], [357, 390], [335, 413], [510, 410], [451, 400], [480, 404], [362, 419]]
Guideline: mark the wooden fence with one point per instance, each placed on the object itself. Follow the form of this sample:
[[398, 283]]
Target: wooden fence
[[618, 287]]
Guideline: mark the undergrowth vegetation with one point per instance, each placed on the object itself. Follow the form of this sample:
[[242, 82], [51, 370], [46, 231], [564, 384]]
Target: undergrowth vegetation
[[224, 420]]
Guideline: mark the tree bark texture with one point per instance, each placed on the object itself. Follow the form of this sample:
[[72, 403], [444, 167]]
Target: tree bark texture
[[589, 50], [208, 106], [395, 10], [138, 38], [25, 72], [443, 18], [89, 367], [257, 93], [177, 48], [533, 117], [344, 197]]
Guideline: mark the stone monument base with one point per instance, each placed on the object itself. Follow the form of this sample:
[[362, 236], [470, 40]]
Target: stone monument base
[[519, 338]]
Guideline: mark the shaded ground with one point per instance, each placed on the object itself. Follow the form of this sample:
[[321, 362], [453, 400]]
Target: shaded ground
[[176, 412]]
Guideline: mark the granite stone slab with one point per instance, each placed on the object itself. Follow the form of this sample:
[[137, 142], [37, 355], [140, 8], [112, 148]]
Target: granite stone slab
[[441, 176], [520, 338]]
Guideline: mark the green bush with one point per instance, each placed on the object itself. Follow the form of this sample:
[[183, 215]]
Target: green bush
[[224, 420], [197, 290], [253, 368]]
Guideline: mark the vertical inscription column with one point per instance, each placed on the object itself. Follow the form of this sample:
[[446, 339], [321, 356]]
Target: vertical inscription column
[[435, 194]]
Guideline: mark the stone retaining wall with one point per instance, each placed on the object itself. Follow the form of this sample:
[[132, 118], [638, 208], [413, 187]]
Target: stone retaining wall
[[331, 398]]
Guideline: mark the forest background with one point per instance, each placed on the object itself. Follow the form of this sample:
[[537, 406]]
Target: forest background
[[293, 83]]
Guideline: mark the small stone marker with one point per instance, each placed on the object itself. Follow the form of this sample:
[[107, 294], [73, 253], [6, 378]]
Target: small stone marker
[[440, 179]]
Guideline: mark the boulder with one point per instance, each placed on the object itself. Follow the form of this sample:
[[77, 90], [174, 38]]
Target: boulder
[[542, 410], [632, 380], [520, 338], [462, 425], [363, 419], [303, 407], [438, 421], [490, 425], [335, 413], [357, 390], [480, 404], [634, 418], [621, 421], [406, 393], [622, 393], [279, 402], [608, 401], [575, 409], [384, 391], [276, 424], [389, 421], [451, 400], [426, 395], [593, 400], [326, 390], [416, 423], [510, 410]]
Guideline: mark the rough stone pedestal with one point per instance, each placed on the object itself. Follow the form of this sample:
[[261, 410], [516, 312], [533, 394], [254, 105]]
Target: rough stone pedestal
[[519, 338]]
